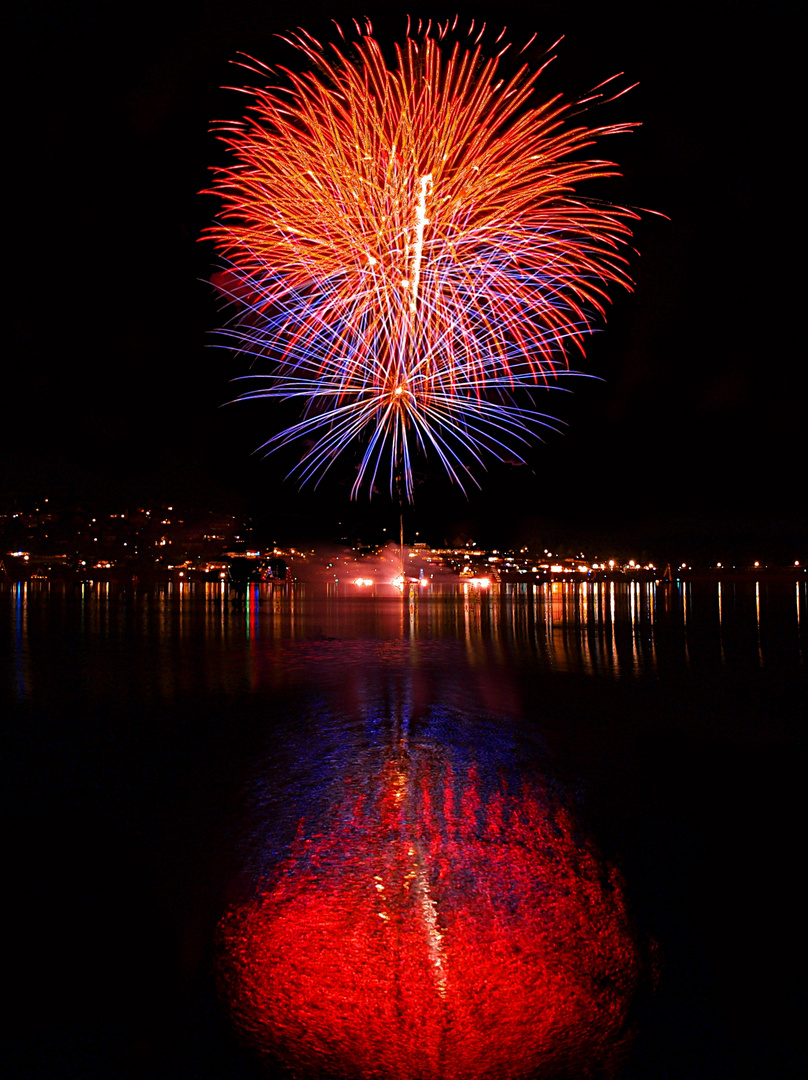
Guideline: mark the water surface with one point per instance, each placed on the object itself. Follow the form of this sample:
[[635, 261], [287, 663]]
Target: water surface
[[165, 744]]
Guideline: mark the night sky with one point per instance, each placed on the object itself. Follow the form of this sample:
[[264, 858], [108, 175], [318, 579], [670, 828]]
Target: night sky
[[111, 391]]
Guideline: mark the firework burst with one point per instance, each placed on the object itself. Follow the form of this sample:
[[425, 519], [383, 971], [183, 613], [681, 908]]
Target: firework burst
[[405, 247]]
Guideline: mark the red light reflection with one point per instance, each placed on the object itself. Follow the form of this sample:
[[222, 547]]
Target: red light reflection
[[436, 930]]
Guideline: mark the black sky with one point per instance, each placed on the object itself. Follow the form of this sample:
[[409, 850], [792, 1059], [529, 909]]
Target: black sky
[[111, 391]]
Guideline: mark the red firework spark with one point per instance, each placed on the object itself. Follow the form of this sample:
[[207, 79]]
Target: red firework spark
[[434, 932], [407, 249]]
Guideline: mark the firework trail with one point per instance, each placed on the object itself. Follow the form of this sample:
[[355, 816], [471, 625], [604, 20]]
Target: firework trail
[[404, 244]]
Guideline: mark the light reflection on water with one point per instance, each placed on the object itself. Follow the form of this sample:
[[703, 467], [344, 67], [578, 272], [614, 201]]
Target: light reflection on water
[[293, 705], [481, 935], [180, 637]]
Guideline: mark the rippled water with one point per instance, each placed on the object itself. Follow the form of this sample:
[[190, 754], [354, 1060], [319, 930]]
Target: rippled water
[[168, 749], [182, 639]]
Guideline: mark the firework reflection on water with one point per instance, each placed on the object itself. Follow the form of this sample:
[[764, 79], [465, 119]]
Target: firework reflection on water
[[439, 914]]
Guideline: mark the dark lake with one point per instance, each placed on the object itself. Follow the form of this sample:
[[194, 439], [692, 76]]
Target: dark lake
[[172, 757]]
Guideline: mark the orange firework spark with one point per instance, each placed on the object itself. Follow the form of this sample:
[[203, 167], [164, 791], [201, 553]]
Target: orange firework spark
[[406, 247]]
